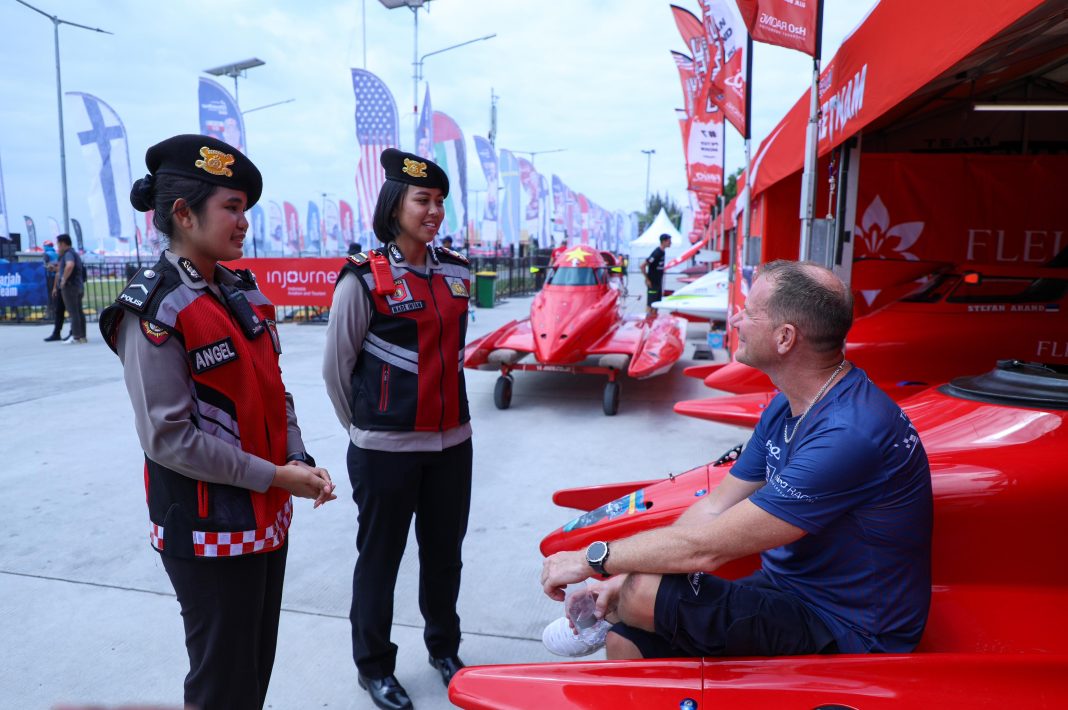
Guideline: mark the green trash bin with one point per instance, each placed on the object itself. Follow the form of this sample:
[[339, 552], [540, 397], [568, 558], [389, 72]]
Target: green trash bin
[[486, 289]]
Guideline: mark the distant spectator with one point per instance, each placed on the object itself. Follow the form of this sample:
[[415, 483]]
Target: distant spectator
[[447, 242], [55, 301], [355, 248], [70, 285]]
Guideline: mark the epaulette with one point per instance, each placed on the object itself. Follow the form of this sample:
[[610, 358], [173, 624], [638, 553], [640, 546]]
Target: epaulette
[[359, 259], [451, 255], [139, 290]]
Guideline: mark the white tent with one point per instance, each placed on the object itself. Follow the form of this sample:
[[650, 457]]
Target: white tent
[[640, 248]]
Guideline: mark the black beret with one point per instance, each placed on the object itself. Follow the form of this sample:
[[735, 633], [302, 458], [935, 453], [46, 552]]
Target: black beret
[[202, 158], [413, 170]]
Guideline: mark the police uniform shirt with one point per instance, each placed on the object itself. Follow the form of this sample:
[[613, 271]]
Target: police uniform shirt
[[350, 317], [158, 381]]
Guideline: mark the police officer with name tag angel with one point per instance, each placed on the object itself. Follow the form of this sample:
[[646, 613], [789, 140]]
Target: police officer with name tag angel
[[223, 452]]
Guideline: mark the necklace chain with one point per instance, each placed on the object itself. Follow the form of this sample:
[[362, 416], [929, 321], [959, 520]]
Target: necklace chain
[[786, 435]]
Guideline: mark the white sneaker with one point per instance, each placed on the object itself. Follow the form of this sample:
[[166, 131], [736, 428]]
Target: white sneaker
[[561, 640]]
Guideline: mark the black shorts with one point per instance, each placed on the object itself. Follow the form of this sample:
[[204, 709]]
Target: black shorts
[[703, 615], [654, 293]]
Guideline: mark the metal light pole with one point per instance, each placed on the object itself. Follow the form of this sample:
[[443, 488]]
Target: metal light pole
[[419, 73], [235, 70], [56, 22], [532, 153], [648, 168]]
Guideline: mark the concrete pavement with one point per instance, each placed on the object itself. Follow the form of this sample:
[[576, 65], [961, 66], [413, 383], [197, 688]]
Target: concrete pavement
[[88, 613]]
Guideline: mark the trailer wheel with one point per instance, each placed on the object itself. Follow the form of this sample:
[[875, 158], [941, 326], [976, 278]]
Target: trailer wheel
[[502, 392], [611, 398]]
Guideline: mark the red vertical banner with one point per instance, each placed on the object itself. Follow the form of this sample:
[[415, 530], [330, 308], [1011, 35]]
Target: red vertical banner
[[785, 23]]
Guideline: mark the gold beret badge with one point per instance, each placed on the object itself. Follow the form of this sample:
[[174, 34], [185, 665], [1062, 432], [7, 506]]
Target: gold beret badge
[[215, 162], [414, 168]]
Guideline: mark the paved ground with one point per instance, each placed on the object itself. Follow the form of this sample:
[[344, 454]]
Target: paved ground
[[87, 611]]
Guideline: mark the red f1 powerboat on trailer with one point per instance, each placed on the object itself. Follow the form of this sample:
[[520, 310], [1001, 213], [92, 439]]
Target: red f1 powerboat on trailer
[[958, 319], [577, 317], [996, 632]]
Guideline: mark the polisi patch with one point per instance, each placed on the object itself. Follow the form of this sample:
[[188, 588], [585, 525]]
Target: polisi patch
[[211, 356], [153, 333], [457, 287], [140, 288]]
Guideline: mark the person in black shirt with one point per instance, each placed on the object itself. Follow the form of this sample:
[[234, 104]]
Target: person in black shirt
[[653, 270]]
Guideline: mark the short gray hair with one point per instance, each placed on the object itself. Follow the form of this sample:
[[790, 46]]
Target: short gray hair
[[822, 313]]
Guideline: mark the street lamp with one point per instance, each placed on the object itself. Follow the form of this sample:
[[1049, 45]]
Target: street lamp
[[235, 70], [56, 22], [532, 153], [648, 167], [417, 61]]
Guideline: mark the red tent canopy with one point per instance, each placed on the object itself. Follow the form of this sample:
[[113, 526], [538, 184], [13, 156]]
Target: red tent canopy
[[900, 48]]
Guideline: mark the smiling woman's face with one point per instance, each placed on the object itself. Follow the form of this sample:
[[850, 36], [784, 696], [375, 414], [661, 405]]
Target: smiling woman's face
[[420, 213]]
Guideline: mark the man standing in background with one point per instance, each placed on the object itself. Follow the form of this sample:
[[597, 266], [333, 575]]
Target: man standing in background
[[653, 271], [70, 284]]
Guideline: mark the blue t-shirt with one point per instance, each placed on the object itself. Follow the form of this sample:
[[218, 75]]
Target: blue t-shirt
[[855, 478]]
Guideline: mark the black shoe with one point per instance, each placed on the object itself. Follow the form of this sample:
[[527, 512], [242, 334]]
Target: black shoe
[[53, 338], [387, 693], [447, 667]]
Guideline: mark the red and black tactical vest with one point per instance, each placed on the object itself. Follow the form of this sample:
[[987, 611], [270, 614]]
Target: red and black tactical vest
[[409, 374], [239, 398]]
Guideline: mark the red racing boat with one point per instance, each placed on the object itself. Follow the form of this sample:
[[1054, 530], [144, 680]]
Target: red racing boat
[[999, 608], [578, 317]]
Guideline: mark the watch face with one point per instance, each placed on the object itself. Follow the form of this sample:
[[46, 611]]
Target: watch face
[[596, 551]]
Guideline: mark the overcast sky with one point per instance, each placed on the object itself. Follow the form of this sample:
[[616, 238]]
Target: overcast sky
[[594, 77]]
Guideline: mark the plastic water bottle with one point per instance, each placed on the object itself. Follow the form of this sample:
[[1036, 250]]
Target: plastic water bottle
[[581, 610]]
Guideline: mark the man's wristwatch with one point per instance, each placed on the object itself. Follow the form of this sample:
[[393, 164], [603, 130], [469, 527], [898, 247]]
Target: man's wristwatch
[[303, 457], [596, 556]]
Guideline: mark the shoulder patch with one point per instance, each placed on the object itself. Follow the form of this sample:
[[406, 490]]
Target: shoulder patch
[[359, 259], [153, 333], [138, 291], [453, 255]]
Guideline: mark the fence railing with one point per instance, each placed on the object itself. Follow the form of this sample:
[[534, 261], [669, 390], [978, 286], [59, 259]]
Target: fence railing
[[106, 279]]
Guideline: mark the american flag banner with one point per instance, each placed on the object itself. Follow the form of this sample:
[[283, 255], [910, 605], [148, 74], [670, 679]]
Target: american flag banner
[[376, 130]]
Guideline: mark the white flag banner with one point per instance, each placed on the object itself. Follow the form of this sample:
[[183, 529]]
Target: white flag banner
[[103, 140]]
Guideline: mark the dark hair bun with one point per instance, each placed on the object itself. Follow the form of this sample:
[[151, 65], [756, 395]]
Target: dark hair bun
[[143, 194]]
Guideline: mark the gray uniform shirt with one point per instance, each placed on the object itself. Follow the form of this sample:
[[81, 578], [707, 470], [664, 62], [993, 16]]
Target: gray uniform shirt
[[350, 317], [161, 392]]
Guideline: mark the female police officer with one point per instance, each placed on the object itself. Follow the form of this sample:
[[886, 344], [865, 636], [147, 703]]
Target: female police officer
[[223, 451], [394, 372]]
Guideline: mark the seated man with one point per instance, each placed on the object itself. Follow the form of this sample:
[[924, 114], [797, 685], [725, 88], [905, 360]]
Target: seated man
[[834, 491]]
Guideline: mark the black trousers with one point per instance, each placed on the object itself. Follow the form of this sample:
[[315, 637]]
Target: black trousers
[[72, 300], [59, 313], [230, 608], [390, 487]]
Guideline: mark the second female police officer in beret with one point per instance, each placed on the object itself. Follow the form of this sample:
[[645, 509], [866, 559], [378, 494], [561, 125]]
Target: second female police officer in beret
[[223, 452], [394, 372]]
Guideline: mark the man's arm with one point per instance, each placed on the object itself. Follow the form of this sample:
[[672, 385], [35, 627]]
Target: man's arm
[[730, 491], [717, 529], [742, 530], [68, 269]]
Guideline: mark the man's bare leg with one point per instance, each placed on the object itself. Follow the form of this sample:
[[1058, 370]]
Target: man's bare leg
[[635, 607]]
